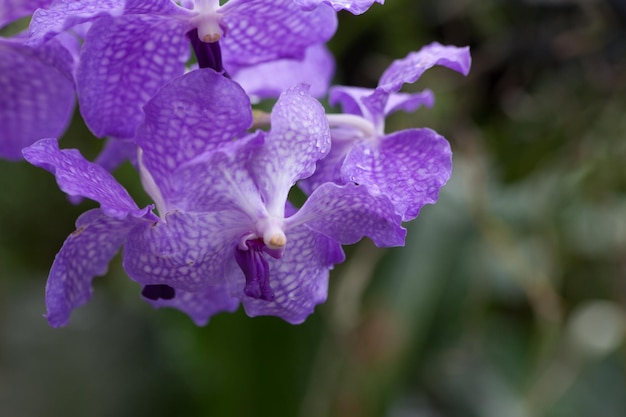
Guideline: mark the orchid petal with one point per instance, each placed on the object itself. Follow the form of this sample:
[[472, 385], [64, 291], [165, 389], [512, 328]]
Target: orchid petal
[[85, 254]]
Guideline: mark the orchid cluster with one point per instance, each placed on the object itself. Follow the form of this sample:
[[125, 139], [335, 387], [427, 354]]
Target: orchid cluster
[[172, 86]]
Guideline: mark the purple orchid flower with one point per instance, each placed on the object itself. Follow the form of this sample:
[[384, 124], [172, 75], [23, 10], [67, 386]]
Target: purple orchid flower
[[135, 46], [408, 166], [36, 86], [226, 232]]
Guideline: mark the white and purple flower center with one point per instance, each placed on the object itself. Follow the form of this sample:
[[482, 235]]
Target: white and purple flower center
[[208, 21]]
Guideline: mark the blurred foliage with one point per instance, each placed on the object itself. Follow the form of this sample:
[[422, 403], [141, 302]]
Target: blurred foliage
[[508, 299]]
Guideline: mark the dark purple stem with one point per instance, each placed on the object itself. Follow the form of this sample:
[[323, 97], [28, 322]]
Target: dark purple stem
[[209, 55]]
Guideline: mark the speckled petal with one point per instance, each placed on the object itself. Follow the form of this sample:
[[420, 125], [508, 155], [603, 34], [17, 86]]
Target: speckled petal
[[261, 30], [346, 213], [193, 114], [185, 251], [298, 138], [78, 177], [11, 10], [299, 279], [353, 6], [85, 254], [219, 180], [36, 94], [63, 14], [124, 61], [409, 167], [202, 304], [261, 81]]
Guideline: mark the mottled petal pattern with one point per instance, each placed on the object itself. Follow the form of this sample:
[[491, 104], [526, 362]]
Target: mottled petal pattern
[[349, 212], [63, 14], [353, 6], [193, 114], [186, 251], [78, 177], [269, 80], [299, 279], [299, 137], [125, 60], [202, 304], [36, 95], [261, 30], [85, 254], [409, 167], [219, 180]]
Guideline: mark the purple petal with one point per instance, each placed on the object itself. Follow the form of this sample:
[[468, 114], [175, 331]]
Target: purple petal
[[191, 115], [185, 251], [115, 152], [409, 167], [299, 279], [36, 94], [298, 138], [329, 168], [63, 14], [219, 180], [200, 305], [261, 81], [346, 213], [409, 102], [78, 177], [11, 10], [124, 61], [411, 68], [85, 254], [350, 99], [353, 6], [261, 31]]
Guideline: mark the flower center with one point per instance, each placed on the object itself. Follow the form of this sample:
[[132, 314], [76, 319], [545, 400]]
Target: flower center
[[208, 21], [250, 258]]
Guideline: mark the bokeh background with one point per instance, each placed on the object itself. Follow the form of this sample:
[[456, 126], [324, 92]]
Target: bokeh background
[[507, 301]]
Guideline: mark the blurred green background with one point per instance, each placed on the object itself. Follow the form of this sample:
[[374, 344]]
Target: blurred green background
[[507, 301]]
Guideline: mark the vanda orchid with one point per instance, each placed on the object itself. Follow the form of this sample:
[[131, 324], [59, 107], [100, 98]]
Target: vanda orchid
[[225, 230], [221, 230]]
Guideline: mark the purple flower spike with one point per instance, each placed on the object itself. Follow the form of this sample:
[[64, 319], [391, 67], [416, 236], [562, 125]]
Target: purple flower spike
[[409, 167], [353, 6], [36, 94]]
